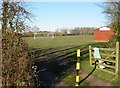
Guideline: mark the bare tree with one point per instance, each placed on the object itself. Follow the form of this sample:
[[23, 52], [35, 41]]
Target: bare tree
[[14, 15], [112, 11], [75, 31], [35, 29], [82, 31], [64, 31]]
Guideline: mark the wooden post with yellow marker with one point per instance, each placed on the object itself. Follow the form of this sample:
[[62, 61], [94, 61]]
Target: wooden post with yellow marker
[[78, 68]]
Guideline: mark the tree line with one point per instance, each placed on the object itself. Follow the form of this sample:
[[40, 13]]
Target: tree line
[[112, 11], [78, 31], [62, 31]]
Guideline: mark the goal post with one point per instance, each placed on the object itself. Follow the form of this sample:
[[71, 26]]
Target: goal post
[[34, 35], [42, 34], [52, 35]]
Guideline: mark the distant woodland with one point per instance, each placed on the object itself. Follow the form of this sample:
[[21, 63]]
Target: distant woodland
[[62, 32]]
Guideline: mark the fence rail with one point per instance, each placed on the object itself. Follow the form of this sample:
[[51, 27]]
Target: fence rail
[[110, 58]]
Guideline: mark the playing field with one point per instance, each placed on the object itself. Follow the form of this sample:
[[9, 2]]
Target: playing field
[[64, 41], [57, 56]]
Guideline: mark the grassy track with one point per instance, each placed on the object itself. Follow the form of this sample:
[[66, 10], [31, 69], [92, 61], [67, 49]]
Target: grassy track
[[59, 55]]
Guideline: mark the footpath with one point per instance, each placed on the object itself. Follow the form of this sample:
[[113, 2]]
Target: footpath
[[93, 80]]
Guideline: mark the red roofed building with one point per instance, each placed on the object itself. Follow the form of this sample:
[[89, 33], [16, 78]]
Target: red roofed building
[[103, 34]]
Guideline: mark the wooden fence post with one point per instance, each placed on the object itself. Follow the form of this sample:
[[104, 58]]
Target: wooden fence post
[[117, 58], [90, 55]]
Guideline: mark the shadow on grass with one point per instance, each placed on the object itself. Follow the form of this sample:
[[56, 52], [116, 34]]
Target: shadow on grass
[[55, 65]]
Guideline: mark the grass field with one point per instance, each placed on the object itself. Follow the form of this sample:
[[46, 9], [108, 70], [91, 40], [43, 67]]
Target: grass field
[[47, 42], [59, 55]]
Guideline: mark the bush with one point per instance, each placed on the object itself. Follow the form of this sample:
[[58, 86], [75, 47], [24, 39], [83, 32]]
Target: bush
[[16, 63]]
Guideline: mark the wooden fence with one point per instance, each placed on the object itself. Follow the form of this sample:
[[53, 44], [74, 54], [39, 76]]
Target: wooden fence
[[109, 56]]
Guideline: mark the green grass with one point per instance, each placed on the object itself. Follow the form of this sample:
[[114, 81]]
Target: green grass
[[56, 47], [70, 80], [65, 41], [98, 73]]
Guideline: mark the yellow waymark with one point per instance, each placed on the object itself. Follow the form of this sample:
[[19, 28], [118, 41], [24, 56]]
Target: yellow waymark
[[77, 66], [78, 53], [77, 78], [76, 85]]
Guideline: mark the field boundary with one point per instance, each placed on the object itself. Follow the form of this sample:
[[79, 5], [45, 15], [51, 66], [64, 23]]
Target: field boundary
[[114, 61]]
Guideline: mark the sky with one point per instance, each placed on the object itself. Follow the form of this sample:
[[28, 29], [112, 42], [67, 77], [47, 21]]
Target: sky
[[50, 16]]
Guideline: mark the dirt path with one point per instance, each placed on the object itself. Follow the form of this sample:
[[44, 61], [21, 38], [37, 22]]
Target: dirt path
[[47, 74], [50, 79], [93, 80]]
